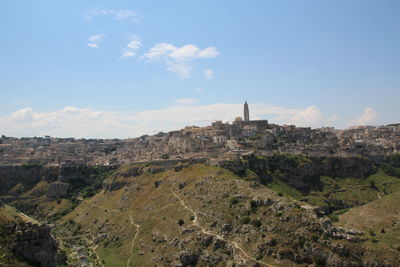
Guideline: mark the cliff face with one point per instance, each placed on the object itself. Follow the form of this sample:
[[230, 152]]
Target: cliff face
[[300, 172], [35, 244], [27, 176], [26, 242]]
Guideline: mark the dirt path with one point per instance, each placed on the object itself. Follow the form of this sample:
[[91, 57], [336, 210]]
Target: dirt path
[[133, 240], [195, 222]]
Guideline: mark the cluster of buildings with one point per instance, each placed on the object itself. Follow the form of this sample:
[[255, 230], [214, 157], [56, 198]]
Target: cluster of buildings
[[219, 141]]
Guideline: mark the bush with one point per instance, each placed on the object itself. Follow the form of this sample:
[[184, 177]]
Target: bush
[[280, 194], [371, 233], [28, 165], [245, 220], [333, 217], [390, 170], [88, 192], [372, 184], [253, 204], [181, 222], [257, 223], [314, 237], [164, 156], [319, 261], [233, 200]]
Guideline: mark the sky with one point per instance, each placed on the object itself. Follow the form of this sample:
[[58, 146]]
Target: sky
[[119, 69]]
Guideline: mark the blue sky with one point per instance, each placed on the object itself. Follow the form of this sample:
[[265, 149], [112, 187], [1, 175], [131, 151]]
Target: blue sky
[[65, 65]]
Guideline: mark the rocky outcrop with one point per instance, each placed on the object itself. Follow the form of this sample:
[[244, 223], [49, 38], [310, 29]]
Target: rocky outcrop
[[17, 179], [22, 240], [301, 172], [27, 176], [36, 245]]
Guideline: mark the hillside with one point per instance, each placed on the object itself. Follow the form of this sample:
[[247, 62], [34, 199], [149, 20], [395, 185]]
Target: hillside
[[279, 210], [379, 219], [210, 217]]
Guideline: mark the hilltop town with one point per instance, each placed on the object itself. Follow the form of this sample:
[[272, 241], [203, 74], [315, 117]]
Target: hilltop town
[[217, 141], [247, 193]]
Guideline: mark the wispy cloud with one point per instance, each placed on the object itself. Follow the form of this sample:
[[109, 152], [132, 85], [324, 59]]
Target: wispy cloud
[[179, 59], [131, 48], [209, 74], [86, 122], [369, 116], [94, 40], [185, 101], [119, 14]]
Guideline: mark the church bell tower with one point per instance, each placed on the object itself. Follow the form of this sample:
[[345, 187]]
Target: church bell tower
[[246, 112]]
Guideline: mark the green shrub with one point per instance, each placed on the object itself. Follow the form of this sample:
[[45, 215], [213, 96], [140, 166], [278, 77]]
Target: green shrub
[[257, 223], [233, 200], [245, 220], [314, 237], [253, 204], [181, 222], [164, 156], [390, 170], [319, 261], [371, 233], [333, 217], [28, 165]]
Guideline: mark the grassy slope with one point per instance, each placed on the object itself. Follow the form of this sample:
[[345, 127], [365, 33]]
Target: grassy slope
[[209, 191], [351, 192], [380, 219]]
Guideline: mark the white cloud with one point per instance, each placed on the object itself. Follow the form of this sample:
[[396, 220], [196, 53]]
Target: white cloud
[[85, 122], [119, 14], [185, 101], [369, 116], [132, 47], [208, 52], [209, 74], [94, 40], [92, 45], [179, 59]]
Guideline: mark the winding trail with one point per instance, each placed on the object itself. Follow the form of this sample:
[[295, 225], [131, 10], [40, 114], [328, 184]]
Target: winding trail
[[205, 231], [133, 240]]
